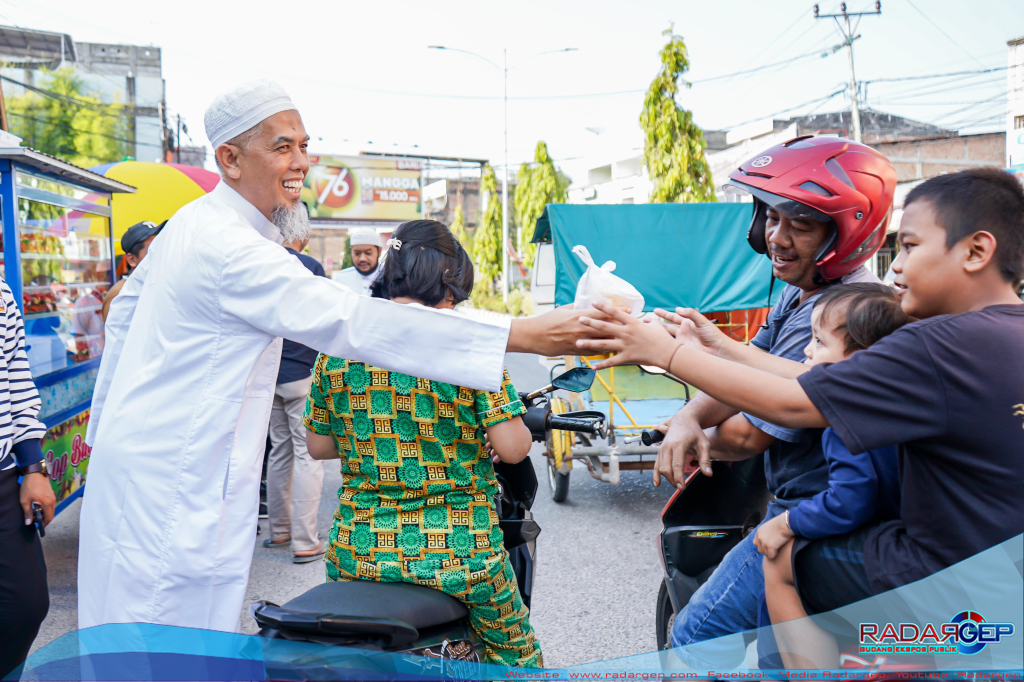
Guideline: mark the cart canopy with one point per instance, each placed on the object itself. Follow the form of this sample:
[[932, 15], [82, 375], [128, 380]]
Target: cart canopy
[[692, 255]]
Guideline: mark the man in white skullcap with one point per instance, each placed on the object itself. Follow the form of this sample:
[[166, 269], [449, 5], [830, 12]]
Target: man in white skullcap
[[364, 246], [184, 392]]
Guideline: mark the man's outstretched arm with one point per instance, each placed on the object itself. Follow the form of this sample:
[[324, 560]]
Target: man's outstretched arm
[[265, 286], [773, 398], [553, 333]]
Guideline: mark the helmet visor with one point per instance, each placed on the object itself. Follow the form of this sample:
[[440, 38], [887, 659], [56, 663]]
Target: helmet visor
[[784, 205]]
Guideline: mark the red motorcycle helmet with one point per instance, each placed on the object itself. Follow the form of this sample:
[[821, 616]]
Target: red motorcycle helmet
[[848, 185]]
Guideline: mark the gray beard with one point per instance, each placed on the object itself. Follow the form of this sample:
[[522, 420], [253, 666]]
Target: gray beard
[[293, 221]]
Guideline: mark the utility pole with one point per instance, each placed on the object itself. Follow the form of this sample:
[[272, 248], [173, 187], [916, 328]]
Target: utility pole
[[178, 144], [165, 146], [504, 191], [849, 37], [3, 112], [504, 68]]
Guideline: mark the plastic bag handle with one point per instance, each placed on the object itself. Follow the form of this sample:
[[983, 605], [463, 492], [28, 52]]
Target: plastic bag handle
[[584, 255], [588, 260]]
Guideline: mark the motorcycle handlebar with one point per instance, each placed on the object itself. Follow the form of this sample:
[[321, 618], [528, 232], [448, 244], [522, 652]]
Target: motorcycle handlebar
[[651, 437], [588, 425]]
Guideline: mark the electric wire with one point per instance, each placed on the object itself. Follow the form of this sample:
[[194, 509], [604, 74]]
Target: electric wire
[[793, 108], [98, 108], [911, 3], [83, 132], [934, 75]]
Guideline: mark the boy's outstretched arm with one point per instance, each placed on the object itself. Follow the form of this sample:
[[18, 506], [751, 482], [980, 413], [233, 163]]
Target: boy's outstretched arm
[[699, 331], [773, 398]]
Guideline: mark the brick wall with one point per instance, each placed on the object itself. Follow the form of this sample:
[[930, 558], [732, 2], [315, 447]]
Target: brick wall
[[928, 158]]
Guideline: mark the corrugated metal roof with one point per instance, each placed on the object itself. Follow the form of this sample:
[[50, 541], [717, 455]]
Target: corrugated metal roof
[[37, 45], [70, 171]]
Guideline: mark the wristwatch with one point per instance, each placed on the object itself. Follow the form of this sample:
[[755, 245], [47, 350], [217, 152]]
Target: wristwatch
[[35, 468]]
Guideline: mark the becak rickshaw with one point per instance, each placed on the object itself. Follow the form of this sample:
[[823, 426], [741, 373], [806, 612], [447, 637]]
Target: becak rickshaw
[[692, 255]]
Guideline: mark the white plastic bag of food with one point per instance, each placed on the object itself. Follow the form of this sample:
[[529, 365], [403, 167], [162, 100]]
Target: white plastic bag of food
[[599, 284]]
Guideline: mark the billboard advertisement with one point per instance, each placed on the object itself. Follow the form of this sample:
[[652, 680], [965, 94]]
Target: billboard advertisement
[[362, 188]]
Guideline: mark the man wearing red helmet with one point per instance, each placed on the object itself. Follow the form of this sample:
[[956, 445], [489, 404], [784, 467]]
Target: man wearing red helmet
[[821, 209]]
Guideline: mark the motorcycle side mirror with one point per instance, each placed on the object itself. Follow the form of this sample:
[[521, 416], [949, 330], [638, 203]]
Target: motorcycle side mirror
[[659, 371], [576, 380]]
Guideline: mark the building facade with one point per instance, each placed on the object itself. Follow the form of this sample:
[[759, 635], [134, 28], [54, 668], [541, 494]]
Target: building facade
[[128, 75], [1015, 104]]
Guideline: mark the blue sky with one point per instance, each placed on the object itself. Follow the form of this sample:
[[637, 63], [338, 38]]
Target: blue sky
[[364, 79]]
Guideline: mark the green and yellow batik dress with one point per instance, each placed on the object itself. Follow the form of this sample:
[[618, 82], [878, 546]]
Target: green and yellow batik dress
[[417, 497]]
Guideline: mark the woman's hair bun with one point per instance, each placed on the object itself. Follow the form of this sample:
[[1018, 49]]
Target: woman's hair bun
[[430, 266]]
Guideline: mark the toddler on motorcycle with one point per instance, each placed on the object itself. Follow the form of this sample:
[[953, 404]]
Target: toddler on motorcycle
[[417, 499], [861, 488]]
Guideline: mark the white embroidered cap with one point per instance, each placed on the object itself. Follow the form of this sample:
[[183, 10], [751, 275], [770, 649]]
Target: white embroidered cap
[[239, 109], [364, 235]]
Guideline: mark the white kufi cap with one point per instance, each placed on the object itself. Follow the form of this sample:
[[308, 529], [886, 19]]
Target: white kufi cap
[[238, 110], [364, 235]]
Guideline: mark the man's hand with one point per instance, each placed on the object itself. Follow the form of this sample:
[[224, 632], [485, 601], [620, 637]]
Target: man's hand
[[553, 333], [684, 449], [772, 536], [634, 342], [695, 329], [36, 488]]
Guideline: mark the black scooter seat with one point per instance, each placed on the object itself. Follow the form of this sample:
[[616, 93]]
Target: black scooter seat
[[421, 607]]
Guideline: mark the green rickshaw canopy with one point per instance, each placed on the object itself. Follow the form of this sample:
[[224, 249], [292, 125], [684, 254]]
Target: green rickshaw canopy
[[692, 255]]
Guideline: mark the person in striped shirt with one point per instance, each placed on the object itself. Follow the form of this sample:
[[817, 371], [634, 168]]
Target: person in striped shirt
[[24, 597]]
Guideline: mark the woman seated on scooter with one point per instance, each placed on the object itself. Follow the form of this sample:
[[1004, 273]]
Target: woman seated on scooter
[[417, 499]]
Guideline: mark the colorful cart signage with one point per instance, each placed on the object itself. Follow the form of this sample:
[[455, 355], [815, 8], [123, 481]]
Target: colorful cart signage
[[67, 455], [363, 188], [58, 260]]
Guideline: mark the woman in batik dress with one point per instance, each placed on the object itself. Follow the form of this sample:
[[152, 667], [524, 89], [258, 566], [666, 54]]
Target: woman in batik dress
[[417, 501]]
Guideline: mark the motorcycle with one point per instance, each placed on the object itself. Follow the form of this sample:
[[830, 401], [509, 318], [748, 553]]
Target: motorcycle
[[705, 520], [701, 523], [403, 618]]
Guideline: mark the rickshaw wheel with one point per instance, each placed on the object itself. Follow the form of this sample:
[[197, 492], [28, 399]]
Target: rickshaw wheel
[[559, 447], [557, 481], [664, 618]]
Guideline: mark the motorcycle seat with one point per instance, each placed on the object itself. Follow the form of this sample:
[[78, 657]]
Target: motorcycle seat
[[416, 605]]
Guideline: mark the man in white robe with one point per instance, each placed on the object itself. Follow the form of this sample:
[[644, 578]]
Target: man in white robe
[[364, 248], [184, 392]]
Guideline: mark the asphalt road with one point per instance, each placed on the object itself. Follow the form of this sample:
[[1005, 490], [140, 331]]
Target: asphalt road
[[598, 570]]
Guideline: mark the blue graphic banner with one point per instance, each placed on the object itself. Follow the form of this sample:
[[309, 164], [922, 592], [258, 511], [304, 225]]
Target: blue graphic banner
[[962, 623]]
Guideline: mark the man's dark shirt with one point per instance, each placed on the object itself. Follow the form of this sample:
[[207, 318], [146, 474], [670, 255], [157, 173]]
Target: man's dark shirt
[[297, 360], [794, 464], [949, 391]]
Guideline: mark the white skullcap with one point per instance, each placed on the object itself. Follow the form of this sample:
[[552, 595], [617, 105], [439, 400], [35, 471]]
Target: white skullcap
[[238, 110], [364, 235]]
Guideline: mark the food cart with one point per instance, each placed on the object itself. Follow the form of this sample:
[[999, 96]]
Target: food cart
[[691, 255], [58, 261]]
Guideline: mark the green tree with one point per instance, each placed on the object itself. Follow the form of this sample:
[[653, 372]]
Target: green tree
[[673, 144], [70, 124], [346, 253], [487, 241], [458, 228], [540, 184]]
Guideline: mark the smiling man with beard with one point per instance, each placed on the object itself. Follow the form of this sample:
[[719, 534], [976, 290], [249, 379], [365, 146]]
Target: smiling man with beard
[[184, 392]]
